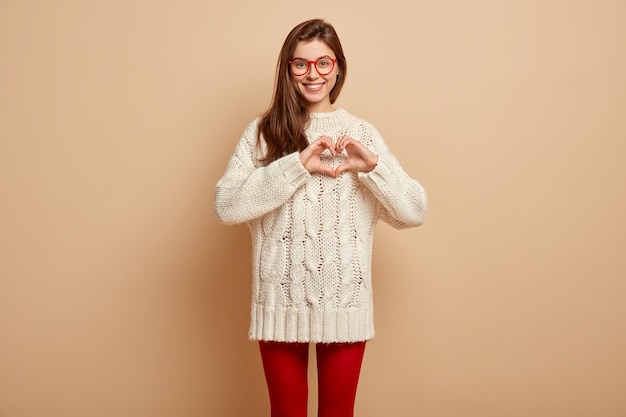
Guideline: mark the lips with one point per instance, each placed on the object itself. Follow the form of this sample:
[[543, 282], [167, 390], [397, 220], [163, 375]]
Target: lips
[[314, 87]]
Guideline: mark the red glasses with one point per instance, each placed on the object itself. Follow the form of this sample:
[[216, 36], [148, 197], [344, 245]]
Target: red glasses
[[323, 65]]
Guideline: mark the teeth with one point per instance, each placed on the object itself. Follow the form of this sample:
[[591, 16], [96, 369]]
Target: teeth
[[314, 86]]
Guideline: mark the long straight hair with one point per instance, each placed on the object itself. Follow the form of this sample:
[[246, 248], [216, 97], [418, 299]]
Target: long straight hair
[[283, 125]]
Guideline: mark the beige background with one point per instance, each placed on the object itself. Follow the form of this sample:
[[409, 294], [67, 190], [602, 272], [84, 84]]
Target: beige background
[[122, 295]]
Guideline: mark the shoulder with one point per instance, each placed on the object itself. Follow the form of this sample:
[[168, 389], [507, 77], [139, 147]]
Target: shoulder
[[250, 132], [253, 126], [247, 143]]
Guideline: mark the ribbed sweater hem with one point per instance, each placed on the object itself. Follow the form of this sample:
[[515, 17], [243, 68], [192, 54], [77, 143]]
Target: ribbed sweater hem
[[310, 325]]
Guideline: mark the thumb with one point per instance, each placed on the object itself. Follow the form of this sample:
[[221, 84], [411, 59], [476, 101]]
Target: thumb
[[341, 169], [325, 169]]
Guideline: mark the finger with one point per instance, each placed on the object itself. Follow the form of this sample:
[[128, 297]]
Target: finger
[[318, 146], [347, 141], [341, 143], [327, 143], [326, 139], [354, 146]]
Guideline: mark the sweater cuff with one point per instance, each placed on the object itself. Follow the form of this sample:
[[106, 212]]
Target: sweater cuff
[[292, 170]]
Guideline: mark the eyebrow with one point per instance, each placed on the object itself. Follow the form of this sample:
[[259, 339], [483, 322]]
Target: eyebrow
[[323, 56]]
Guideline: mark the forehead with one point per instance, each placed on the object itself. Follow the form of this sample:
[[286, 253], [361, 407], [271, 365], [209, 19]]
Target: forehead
[[312, 49]]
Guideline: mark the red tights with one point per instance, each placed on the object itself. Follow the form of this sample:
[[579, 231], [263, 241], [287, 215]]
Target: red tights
[[286, 367]]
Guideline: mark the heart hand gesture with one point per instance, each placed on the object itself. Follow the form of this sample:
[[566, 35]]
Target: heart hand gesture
[[359, 158]]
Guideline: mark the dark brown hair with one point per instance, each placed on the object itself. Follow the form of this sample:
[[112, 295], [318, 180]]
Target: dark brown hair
[[283, 124]]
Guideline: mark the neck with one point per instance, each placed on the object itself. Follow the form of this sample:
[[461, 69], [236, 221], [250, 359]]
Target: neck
[[322, 107]]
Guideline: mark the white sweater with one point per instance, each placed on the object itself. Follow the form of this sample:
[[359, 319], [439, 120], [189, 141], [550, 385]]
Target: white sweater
[[312, 234]]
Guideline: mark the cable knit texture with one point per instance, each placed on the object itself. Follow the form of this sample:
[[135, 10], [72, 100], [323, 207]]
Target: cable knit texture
[[312, 234]]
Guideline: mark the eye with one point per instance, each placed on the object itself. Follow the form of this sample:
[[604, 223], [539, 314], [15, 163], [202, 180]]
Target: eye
[[325, 62], [298, 63]]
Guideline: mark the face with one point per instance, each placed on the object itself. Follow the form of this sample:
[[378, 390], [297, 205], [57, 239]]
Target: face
[[314, 87]]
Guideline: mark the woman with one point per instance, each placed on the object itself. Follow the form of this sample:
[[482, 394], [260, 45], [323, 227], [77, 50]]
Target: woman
[[311, 180]]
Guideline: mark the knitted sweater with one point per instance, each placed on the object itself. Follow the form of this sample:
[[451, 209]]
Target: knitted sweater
[[312, 234]]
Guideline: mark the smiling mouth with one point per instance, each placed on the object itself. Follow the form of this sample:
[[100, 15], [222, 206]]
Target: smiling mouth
[[314, 87]]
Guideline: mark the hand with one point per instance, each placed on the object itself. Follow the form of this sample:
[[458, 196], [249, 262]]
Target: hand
[[310, 157], [359, 157]]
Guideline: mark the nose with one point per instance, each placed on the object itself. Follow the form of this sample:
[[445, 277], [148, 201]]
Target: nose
[[312, 73]]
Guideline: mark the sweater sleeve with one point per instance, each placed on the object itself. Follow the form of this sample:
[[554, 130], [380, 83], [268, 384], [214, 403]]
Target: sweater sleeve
[[247, 191], [403, 199]]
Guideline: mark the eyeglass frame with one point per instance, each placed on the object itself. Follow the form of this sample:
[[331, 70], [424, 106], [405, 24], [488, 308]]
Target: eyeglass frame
[[308, 65]]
